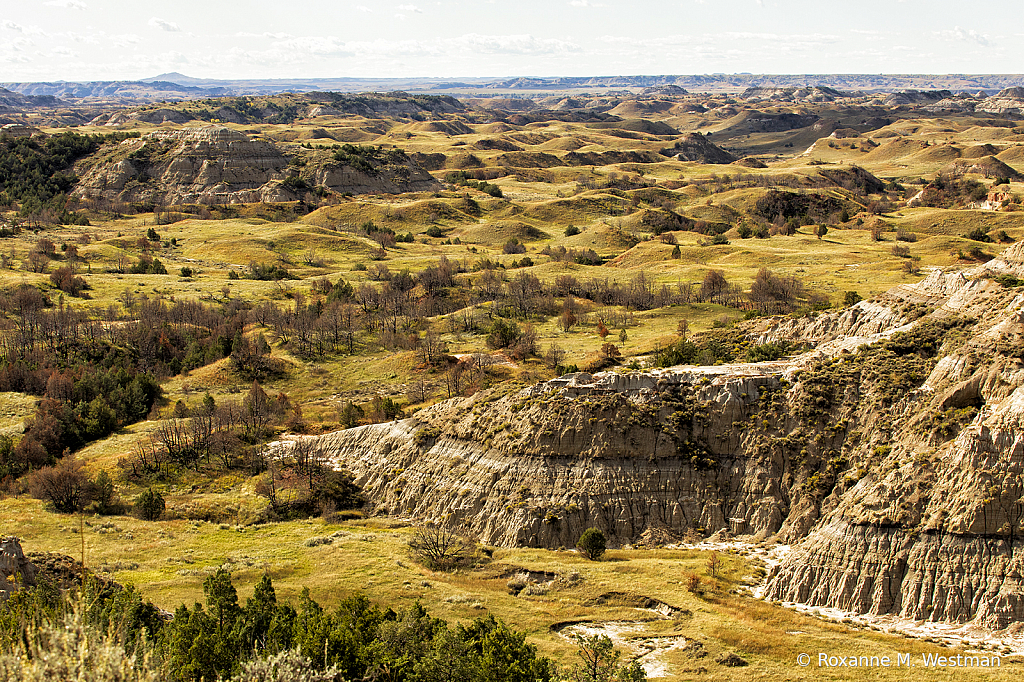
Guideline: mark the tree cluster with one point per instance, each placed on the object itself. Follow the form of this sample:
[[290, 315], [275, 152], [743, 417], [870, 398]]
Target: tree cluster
[[225, 639]]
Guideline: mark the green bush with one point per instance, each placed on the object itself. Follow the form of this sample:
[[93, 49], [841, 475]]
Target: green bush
[[149, 506], [978, 234], [592, 544]]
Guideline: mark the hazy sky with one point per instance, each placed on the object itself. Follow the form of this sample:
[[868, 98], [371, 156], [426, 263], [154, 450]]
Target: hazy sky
[[108, 39]]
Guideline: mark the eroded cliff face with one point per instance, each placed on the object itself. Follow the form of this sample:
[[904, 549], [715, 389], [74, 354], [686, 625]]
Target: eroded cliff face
[[218, 165], [890, 455]]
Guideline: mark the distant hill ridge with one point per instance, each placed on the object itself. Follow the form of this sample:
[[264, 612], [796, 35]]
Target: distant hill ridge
[[180, 86]]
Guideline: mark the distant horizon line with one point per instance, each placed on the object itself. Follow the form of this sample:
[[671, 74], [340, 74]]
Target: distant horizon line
[[905, 74]]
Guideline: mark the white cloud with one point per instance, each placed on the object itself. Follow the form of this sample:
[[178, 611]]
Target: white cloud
[[512, 44], [584, 3], [410, 8], [67, 4], [304, 50], [364, 8], [11, 26], [271, 36], [966, 35], [163, 25]]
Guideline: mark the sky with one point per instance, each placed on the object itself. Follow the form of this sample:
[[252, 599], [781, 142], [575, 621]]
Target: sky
[[76, 40]]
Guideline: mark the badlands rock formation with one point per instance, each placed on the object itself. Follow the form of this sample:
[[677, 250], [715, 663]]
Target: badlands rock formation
[[890, 455], [1008, 101], [218, 165]]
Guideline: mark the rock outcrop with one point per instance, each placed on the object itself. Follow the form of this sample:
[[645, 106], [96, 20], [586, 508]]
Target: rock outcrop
[[891, 455], [1008, 101], [218, 165], [15, 568], [697, 147]]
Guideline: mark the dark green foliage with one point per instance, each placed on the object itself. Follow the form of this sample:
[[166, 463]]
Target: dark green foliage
[[950, 422], [947, 192], [599, 662], [767, 351], [978, 234], [883, 372], [851, 298], [1009, 280], [82, 407], [592, 544], [212, 640], [572, 231], [33, 172], [709, 349], [295, 183], [186, 272], [335, 490], [104, 498], [147, 265], [152, 235], [504, 333], [367, 159], [268, 272], [513, 246], [460, 178], [809, 206], [149, 505], [434, 231]]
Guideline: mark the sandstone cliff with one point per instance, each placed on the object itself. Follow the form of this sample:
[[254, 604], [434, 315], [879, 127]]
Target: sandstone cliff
[[890, 455], [217, 165]]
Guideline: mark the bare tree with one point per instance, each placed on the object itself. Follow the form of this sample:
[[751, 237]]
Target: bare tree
[[714, 564], [553, 358], [440, 549]]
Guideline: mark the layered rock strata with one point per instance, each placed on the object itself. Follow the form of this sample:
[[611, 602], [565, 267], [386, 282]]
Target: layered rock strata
[[218, 165]]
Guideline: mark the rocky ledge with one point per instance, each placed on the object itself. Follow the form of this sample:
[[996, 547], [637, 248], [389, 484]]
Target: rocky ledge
[[219, 165]]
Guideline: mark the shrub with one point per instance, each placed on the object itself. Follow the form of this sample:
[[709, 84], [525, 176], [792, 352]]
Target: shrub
[[65, 279], [147, 265], [73, 649], [504, 333], [149, 506], [572, 231], [694, 585], [187, 272], [65, 486], [592, 544], [434, 231], [104, 496], [978, 234], [513, 246], [287, 666]]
